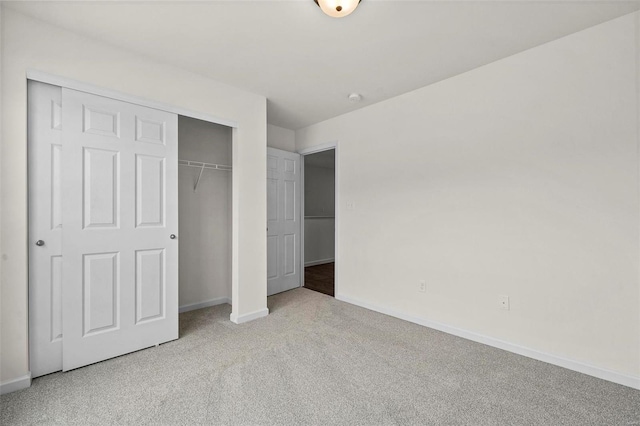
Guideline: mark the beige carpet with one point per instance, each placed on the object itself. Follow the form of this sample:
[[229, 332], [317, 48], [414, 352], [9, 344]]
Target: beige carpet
[[316, 360]]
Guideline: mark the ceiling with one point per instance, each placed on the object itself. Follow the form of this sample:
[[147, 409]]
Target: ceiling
[[306, 63]]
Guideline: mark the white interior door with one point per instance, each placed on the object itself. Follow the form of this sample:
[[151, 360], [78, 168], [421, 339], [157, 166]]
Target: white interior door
[[120, 206], [283, 221], [45, 228]]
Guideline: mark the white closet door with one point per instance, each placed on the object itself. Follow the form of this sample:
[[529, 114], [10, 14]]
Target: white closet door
[[45, 229], [120, 207], [283, 221]]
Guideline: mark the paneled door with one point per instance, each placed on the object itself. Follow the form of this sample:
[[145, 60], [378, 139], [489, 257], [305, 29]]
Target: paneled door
[[45, 228], [283, 221], [120, 220]]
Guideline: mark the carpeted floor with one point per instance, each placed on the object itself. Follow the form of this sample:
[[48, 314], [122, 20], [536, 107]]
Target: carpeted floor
[[316, 360]]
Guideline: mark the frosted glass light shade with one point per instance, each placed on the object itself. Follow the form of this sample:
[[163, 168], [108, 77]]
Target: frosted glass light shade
[[337, 8]]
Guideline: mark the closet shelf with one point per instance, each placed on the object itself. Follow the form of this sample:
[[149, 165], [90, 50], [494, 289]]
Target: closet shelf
[[202, 167], [319, 217]]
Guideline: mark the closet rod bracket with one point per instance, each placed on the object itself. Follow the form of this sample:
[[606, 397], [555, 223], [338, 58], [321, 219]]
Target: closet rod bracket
[[195, 188], [202, 167]]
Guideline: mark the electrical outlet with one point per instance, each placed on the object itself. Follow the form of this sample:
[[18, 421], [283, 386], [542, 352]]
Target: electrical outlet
[[351, 205], [422, 286], [503, 302]]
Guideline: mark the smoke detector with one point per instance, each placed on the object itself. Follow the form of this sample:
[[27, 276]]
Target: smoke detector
[[355, 97]]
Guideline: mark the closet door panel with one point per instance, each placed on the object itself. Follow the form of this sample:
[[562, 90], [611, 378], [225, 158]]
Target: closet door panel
[[150, 190], [101, 188], [150, 280], [56, 189], [119, 175], [56, 300], [272, 257], [100, 288], [45, 227]]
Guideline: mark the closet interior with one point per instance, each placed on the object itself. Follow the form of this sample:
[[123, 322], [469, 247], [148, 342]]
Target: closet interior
[[204, 193]]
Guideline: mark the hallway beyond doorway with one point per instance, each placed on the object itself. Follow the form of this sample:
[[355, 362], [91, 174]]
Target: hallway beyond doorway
[[320, 278]]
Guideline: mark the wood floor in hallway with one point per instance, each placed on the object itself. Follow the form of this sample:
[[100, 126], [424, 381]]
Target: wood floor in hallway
[[320, 278]]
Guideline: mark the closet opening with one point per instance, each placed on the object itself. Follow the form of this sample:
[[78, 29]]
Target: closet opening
[[319, 174], [204, 197]]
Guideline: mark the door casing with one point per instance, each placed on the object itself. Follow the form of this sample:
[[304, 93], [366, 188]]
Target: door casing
[[312, 150]]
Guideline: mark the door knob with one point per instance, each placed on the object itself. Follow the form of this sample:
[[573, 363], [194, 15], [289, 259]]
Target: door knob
[[39, 243], [172, 236]]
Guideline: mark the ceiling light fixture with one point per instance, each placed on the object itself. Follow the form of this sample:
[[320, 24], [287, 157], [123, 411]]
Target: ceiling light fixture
[[337, 8]]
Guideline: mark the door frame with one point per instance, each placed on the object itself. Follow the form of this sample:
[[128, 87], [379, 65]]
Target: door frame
[[69, 83], [313, 150]]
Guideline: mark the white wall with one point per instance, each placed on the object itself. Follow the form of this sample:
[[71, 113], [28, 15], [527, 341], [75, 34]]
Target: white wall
[[205, 214], [319, 190], [319, 211], [281, 138], [319, 240], [31, 44], [519, 178]]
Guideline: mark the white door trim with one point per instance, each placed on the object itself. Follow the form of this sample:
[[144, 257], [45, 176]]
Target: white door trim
[[312, 150], [114, 94], [319, 148]]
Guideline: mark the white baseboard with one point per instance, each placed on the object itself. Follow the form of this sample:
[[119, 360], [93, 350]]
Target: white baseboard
[[318, 262], [205, 304], [601, 373], [241, 319], [16, 384]]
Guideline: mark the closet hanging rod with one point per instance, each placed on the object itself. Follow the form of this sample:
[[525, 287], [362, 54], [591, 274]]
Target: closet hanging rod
[[202, 166], [199, 165]]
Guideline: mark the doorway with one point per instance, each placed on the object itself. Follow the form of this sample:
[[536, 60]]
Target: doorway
[[319, 221], [204, 193]]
